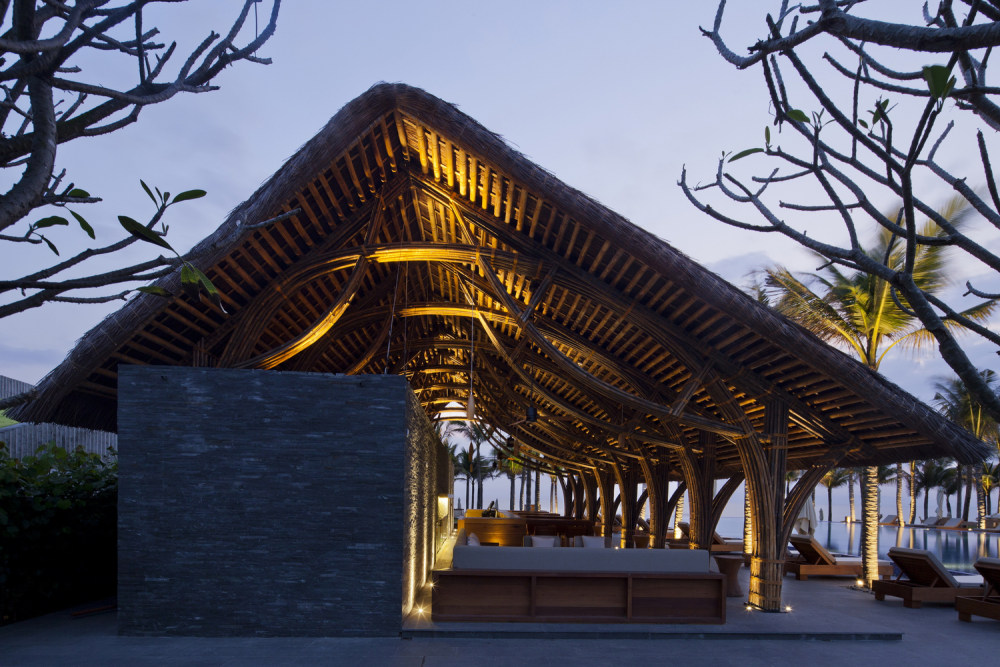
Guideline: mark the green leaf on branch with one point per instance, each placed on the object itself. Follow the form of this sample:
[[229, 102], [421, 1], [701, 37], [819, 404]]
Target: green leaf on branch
[[154, 290], [140, 232], [51, 221], [189, 280], [51, 245], [84, 225], [148, 191], [189, 194], [210, 289], [797, 115], [77, 192], [767, 135], [743, 154], [938, 82]]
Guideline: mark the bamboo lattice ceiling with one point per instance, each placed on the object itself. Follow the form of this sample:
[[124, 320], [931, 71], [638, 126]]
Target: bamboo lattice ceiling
[[416, 226]]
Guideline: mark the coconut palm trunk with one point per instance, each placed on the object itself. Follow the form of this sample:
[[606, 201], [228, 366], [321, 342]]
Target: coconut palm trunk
[[850, 496], [527, 477], [678, 517], [970, 481], [980, 498], [913, 492], [538, 489], [747, 525], [869, 525], [511, 476], [899, 494]]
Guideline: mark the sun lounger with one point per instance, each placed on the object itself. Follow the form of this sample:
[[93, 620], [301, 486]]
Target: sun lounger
[[932, 522], [927, 580], [988, 604], [815, 560], [952, 524], [719, 543], [888, 521]]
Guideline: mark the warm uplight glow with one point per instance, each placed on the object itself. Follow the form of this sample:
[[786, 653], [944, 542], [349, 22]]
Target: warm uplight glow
[[860, 582], [749, 607], [788, 607], [420, 610]]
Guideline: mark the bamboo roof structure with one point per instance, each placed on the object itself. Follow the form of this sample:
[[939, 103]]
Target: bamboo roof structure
[[423, 245]]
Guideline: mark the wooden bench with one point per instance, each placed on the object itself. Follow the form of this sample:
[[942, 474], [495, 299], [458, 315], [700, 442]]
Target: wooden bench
[[988, 605], [572, 585]]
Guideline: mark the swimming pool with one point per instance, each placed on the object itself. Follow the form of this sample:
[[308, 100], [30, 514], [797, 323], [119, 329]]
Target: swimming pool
[[957, 549]]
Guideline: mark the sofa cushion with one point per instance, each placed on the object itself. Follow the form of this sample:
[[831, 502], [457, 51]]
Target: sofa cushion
[[581, 560]]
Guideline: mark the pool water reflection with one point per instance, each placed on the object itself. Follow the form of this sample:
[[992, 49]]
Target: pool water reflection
[[957, 549]]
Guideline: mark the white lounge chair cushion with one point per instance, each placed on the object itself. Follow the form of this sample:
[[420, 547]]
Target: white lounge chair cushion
[[543, 540], [472, 540]]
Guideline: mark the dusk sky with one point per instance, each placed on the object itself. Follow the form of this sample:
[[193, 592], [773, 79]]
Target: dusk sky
[[613, 98]]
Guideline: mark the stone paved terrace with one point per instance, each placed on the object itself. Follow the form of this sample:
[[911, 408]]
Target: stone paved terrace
[[829, 624]]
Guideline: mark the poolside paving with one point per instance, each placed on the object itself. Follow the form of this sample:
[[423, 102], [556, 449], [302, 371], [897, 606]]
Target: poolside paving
[[829, 623]]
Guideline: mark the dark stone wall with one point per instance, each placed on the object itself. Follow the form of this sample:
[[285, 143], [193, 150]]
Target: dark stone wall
[[272, 503]]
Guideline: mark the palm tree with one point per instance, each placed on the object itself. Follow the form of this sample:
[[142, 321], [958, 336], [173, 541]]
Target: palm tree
[[900, 475], [860, 312], [989, 481], [933, 475], [956, 403], [482, 467], [850, 492], [831, 480], [462, 461], [510, 466]]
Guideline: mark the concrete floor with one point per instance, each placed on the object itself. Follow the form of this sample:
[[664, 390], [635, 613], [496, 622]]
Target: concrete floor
[[829, 623]]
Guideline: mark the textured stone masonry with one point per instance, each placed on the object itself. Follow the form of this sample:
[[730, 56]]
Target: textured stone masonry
[[272, 503]]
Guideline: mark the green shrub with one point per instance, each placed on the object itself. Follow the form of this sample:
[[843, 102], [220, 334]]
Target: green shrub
[[58, 531]]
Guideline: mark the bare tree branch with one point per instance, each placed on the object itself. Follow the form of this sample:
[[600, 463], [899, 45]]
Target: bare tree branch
[[854, 150]]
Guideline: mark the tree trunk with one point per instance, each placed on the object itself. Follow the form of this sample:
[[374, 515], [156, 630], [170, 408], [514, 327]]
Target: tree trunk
[[899, 494], [678, 517], [829, 502], [527, 493], [927, 494], [747, 522], [479, 479], [520, 500], [538, 489], [869, 526], [913, 492], [511, 476], [970, 479], [850, 494], [980, 499]]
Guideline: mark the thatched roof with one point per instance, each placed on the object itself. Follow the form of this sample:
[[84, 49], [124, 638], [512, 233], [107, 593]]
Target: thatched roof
[[416, 219]]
